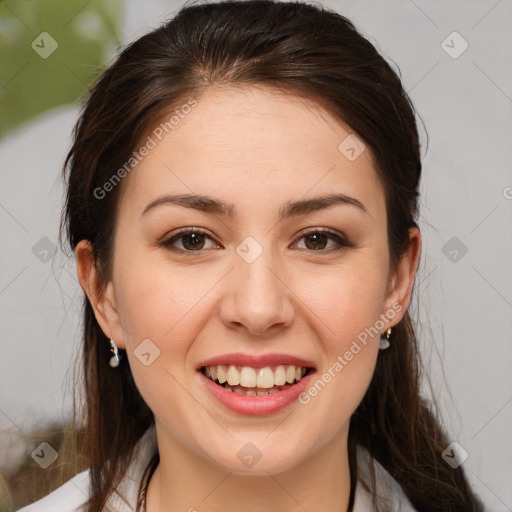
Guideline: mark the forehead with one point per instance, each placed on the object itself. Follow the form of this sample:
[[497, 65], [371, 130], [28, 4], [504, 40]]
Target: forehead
[[253, 145]]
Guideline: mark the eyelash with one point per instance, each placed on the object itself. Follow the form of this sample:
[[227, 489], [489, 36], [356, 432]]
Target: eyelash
[[342, 242]]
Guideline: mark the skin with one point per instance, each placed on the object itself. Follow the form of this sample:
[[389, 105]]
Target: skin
[[257, 149]]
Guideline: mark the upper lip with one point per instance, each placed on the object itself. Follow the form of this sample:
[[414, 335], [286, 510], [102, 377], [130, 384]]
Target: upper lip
[[255, 361]]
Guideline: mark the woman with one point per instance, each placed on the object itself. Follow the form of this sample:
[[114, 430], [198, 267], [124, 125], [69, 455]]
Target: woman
[[242, 195]]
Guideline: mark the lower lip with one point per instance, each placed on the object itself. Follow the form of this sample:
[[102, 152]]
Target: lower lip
[[262, 405]]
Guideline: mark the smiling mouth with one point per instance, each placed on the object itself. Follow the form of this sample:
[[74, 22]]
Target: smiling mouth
[[249, 381]]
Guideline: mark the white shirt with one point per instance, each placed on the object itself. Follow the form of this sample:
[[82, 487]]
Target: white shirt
[[73, 494]]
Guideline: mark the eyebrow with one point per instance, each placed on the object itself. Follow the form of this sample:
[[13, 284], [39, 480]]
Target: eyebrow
[[290, 209]]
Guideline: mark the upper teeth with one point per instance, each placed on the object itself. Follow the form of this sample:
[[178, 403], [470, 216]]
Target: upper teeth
[[249, 377]]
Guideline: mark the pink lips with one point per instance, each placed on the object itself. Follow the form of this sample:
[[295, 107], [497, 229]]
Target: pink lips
[[256, 361], [256, 405]]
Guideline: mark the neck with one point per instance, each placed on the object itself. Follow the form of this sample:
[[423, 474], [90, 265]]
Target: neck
[[185, 481]]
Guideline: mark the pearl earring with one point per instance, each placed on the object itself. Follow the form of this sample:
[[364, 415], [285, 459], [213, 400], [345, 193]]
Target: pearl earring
[[384, 342], [114, 360]]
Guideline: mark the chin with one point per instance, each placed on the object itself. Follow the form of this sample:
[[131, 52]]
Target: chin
[[257, 458]]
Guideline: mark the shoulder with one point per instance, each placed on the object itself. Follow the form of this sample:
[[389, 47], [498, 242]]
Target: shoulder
[[74, 494], [390, 494], [69, 497]]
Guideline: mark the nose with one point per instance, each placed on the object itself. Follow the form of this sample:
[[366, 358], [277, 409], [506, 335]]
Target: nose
[[257, 297]]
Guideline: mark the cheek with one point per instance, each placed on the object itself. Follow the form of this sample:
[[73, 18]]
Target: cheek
[[349, 310], [157, 302], [347, 299]]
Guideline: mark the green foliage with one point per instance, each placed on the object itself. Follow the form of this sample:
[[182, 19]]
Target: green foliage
[[83, 35]]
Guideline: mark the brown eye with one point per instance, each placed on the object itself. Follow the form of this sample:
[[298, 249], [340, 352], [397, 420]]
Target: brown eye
[[191, 240], [318, 240]]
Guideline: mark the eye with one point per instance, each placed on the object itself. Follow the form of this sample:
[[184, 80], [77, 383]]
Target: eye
[[316, 240], [194, 240], [191, 239]]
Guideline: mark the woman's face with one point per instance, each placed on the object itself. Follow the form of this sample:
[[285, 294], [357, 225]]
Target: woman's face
[[273, 277]]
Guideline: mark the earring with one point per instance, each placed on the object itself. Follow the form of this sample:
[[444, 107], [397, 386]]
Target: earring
[[384, 342], [114, 360]]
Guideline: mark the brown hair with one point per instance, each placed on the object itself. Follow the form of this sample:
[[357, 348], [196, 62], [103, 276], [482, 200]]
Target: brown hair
[[302, 49]]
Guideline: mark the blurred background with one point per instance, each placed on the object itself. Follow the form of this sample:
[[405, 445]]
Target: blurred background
[[455, 59]]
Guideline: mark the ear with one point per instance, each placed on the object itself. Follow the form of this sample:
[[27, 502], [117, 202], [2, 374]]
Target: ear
[[402, 279], [100, 296]]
